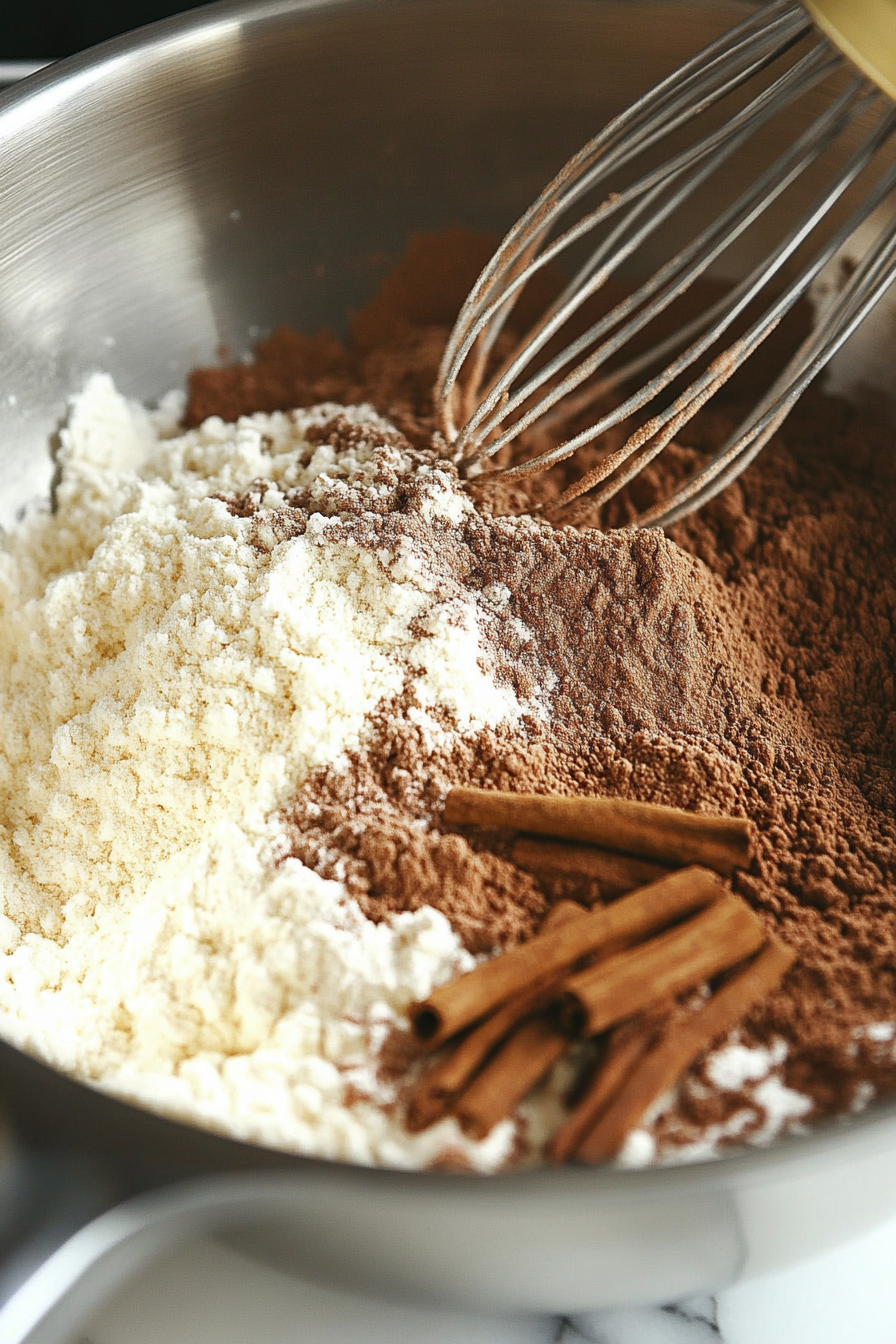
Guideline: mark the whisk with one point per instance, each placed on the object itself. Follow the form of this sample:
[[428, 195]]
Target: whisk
[[488, 399]]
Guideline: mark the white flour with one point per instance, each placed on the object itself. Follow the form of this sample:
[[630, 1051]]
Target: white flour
[[164, 687]]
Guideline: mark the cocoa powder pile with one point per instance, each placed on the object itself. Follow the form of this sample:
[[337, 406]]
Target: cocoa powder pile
[[742, 664]]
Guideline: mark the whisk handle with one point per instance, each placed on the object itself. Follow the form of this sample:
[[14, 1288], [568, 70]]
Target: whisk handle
[[865, 31]]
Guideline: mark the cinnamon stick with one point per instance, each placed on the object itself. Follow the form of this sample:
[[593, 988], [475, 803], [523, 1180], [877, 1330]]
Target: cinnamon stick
[[436, 1089], [532, 1050], [680, 1046], [614, 873], [427, 1106], [624, 985], [628, 1044], [663, 834], [561, 914], [473, 996]]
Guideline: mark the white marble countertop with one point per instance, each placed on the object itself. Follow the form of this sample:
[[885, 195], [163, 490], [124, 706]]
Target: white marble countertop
[[208, 1294]]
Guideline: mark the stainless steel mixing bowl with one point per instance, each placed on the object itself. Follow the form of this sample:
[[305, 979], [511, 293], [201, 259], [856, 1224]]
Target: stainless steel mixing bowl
[[198, 182]]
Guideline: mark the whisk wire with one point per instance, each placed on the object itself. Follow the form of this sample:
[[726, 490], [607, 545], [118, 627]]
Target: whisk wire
[[732, 359], [524, 394], [672, 281], [817, 64], [869, 282], [653, 117], [482, 423]]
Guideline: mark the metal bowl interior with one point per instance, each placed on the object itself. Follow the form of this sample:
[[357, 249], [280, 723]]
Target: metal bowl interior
[[191, 186]]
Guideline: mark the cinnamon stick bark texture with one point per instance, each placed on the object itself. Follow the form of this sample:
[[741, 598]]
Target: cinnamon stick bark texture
[[615, 874], [452, 1007], [625, 984], [561, 914], [664, 834], [677, 1049], [437, 1088], [533, 1049]]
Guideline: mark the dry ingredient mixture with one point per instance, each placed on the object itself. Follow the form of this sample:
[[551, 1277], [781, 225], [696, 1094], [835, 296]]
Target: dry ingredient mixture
[[253, 647]]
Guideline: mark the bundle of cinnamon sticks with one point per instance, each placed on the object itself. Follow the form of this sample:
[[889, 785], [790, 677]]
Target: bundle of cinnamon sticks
[[613, 973]]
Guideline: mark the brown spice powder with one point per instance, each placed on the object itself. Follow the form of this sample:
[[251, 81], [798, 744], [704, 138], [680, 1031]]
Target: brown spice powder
[[744, 664]]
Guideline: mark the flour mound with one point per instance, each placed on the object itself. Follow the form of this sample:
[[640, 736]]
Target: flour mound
[[170, 673]]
